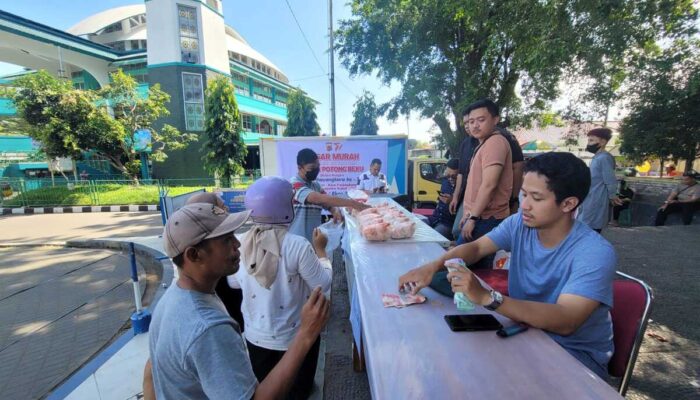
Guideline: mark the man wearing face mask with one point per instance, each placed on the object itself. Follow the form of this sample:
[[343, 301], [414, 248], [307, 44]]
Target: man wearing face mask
[[310, 199], [595, 208]]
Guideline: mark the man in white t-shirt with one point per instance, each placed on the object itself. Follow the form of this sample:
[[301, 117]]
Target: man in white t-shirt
[[372, 181], [279, 271]]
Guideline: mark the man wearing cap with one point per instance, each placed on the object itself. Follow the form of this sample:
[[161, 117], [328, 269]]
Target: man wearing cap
[[595, 209], [196, 348]]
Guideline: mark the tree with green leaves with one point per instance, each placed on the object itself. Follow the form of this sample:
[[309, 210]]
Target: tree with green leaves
[[664, 118], [67, 122], [365, 114], [224, 149], [448, 53], [301, 115]]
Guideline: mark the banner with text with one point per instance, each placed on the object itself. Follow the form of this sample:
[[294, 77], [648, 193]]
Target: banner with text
[[342, 161]]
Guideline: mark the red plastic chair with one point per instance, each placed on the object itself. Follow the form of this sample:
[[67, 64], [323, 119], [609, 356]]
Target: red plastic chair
[[426, 212], [496, 278], [632, 300]]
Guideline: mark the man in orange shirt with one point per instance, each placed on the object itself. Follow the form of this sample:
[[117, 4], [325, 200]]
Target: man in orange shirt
[[490, 183]]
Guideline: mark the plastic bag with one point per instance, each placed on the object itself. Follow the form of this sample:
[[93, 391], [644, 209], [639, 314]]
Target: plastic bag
[[358, 195], [334, 232]]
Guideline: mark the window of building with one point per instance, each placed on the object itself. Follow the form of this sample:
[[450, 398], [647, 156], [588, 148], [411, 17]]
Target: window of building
[[192, 90], [239, 77], [265, 127], [137, 20], [280, 129], [121, 45], [79, 85], [189, 34], [247, 123], [115, 27]]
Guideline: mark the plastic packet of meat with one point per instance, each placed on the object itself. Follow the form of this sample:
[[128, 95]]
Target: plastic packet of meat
[[358, 195], [402, 300], [376, 231]]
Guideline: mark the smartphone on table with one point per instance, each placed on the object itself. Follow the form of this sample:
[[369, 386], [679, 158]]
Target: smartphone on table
[[473, 323]]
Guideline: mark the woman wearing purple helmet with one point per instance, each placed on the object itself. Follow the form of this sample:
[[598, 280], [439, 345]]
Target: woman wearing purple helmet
[[278, 272]]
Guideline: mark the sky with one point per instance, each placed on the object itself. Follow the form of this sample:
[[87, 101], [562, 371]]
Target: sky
[[269, 27]]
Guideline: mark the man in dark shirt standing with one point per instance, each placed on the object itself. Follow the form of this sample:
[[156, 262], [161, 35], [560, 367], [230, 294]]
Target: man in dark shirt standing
[[442, 220], [466, 151]]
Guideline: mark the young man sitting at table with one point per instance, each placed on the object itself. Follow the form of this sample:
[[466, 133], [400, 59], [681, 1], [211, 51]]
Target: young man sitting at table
[[561, 271]]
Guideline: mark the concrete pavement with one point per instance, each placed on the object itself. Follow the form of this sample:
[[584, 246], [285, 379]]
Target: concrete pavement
[[59, 307], [59, 228], [666, 258]]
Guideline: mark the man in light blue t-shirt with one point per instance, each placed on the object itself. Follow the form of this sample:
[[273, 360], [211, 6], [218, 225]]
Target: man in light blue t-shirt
[[561, 271]]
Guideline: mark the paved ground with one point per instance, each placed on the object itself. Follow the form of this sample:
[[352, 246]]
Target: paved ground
[[668, 366], [58, 307], [668, 259], [59, 228]]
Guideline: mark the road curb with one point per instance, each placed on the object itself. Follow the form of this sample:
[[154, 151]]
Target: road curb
[[78, 209], [152, 260]]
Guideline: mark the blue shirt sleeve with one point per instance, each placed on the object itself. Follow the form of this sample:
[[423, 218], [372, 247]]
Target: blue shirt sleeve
[[607, 166], [592, 273], [503, 234], [446, 188]]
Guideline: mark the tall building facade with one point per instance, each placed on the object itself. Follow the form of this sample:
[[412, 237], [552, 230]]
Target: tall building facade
[[178, 44]]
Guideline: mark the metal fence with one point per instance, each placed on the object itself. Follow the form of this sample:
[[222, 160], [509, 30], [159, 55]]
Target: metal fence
[[62, 192]]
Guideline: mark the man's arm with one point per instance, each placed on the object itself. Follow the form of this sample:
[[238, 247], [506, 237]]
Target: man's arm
[[608, 172], [517, 178], [489, 182], [469, 252], [563, 318], [328, 202], [455, 195]]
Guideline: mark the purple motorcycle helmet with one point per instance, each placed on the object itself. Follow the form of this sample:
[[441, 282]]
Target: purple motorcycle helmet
[[270, 200]]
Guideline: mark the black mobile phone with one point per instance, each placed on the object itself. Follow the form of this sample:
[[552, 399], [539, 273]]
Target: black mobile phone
[[473, 322]]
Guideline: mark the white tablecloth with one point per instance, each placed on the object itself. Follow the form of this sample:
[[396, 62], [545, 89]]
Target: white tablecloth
[[412, 354]]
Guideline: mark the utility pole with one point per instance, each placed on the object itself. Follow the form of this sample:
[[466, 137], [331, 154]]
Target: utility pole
[[331, 72]]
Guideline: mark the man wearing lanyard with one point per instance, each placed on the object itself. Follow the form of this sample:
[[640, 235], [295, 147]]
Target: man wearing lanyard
[[372, 181]]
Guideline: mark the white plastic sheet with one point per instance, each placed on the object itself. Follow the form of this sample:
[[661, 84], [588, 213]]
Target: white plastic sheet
[[411, 353], [334, 233]]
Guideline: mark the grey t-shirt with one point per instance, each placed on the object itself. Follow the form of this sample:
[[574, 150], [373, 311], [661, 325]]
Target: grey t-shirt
[[594, 209], [307, 216], [197, 350]]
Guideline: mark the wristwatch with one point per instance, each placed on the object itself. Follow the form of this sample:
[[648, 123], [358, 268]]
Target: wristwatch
[[496, 301], [474, 217]]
